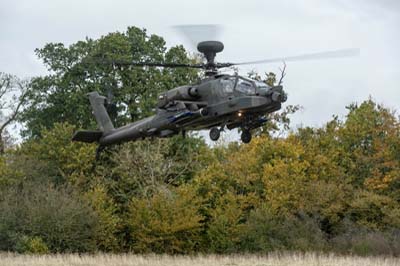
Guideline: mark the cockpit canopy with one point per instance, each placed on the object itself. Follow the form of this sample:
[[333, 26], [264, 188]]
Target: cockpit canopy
[[241, 85]]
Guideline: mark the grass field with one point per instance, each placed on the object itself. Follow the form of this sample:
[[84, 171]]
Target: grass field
[[11, 259]]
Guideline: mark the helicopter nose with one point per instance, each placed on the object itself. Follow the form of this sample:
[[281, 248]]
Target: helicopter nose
[[277, 94], [279, 97]]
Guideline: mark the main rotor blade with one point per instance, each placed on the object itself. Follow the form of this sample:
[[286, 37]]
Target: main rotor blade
[[171, 65], [132, 63], [196, 33], [313, 56]]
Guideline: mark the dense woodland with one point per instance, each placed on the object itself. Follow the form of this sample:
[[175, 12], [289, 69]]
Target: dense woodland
[[335, 188]]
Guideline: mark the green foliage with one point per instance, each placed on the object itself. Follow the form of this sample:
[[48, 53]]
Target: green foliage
[[333, 188], [140, 169], [56, 157], [108, 221], [167, 222], [63, 222], [359, 240], [371, 134], [225, 224], [31, 245], [319, 172], [264, 232], [8, 174], [374, 211], [88, 66]]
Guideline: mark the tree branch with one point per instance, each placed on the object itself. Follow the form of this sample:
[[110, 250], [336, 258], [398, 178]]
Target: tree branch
[[283, 73], [21, 101]]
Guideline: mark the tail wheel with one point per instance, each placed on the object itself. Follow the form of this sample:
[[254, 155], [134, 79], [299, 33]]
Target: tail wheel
[[214, 134], [246, 136]]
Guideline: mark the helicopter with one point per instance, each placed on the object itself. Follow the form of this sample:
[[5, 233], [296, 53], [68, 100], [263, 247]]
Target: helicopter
[[216, 102]]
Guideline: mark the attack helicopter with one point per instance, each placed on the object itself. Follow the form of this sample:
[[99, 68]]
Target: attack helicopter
[[216, 102]]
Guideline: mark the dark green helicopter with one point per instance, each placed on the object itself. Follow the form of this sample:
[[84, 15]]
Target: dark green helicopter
[[216, 102]]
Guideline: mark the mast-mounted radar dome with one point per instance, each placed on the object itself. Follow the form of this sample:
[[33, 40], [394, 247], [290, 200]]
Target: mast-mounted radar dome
[[210, 49]]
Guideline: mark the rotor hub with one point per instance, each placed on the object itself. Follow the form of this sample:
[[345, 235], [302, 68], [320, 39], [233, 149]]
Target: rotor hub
[[210, 49]]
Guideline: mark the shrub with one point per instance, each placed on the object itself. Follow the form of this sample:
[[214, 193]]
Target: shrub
[[225, 224], [58, 217], [373, 243], [167, 222], [265, 231], [32, 245], [108, 222], [362, 241]]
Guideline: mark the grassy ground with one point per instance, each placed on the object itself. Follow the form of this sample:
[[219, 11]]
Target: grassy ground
[[10, 259]]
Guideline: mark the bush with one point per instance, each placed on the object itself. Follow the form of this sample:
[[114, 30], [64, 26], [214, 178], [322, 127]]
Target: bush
[[363, 244], [57, 217], [225, 224], [108, 222], [373, 243], [264, 232], [167, 222], [362, 241], [31, 245], [374, 211]]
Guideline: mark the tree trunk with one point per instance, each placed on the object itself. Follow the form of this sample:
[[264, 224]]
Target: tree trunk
[[2, 144]]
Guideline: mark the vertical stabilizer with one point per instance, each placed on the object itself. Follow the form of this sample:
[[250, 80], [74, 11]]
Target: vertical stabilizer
[[99, 111]]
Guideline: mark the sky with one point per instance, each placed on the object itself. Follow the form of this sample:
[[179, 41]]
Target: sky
[[252, 30]]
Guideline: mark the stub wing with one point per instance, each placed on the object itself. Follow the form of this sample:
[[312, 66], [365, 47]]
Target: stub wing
[[87, 136]]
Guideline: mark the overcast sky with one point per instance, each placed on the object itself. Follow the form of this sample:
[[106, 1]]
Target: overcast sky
[[252, 30]]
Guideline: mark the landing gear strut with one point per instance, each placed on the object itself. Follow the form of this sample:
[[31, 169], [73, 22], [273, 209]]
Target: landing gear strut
[[246, 136], [215, 133]]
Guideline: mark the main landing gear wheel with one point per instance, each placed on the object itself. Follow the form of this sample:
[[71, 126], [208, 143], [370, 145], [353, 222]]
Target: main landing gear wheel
[[246, 136], [214, 134]]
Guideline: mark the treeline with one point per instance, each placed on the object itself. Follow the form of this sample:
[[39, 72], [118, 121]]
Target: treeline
[[334, 188]]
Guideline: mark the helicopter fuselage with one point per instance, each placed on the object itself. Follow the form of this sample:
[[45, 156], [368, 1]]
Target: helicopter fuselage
[[231, 101]]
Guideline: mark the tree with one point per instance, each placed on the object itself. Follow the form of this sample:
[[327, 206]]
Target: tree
[[90, 65], [56, 158], [370, 135], [13, 92], [142, 168]]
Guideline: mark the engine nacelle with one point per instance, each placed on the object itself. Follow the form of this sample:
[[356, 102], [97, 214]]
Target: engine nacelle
[[180, 93]]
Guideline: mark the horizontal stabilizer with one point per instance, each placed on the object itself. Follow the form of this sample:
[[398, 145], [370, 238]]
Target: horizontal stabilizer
[[87, 136]]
